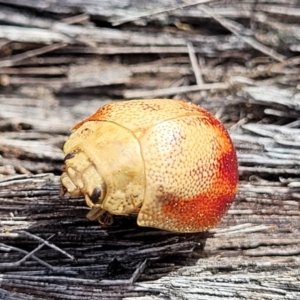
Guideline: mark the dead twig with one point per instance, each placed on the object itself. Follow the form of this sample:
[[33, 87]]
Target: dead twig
[[239, 31], [195, 65], [27, 255], [25, 55], [175, 90], [30, 254], [130, 19], [47, 243]]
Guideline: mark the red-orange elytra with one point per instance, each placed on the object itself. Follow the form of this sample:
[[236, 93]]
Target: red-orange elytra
[[171, 162]]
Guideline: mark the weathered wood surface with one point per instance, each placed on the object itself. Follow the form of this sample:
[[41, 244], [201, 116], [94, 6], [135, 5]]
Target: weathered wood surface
[[61, 60]]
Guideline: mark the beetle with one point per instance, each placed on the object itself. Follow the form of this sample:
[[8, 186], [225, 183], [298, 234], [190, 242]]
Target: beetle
[[170, 162]]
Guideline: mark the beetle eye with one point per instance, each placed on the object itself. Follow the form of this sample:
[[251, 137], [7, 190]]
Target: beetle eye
[[70, 155], [96, 194]]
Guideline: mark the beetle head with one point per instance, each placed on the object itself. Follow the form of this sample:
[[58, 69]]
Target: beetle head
[[81, 178], [103, 164]]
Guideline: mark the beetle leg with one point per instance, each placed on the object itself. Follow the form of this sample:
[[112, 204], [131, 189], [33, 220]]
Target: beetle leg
[[67, 185], [105, 219], [94, 213], [62, 190], [136, 208], [103, 216]]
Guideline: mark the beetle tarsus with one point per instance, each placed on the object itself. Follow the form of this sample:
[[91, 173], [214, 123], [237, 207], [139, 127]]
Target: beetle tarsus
[[62, 191], [106, 219], [136, 208]]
